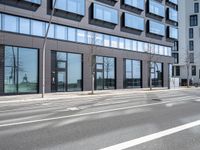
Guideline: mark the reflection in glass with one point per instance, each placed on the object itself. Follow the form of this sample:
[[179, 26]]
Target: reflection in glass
[[71, 34], [27, 70], [134, 22], [61, 80], [11, 66], [105, 14], [21, 70], [37, 28], [61, 32], [157, 74], [74, 6], [133, 77], [10, 23], [105, 73], [67, 72], [74, 72], [24, 26]]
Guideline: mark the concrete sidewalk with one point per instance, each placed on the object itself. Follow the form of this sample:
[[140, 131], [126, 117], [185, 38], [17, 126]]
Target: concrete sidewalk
[[73, 95]]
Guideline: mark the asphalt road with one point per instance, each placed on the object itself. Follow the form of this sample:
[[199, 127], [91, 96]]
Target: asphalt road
[[154, 119]]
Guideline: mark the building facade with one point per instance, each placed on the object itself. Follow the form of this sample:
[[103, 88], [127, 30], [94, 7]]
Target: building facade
[[187, 51], [121, 42]]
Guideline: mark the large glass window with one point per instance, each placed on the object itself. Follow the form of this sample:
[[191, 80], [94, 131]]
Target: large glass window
[[121, 43], [105, 14], [51, 33], [73, 6], [135, 3], [107, 40], [61, 32], [133, 77], [21, 70], [173, 33], [134, 22], [71, 34], [172, 14], [10, 23], [98, 39], [27, 70], [66, 71], [105, 73], [157, 74], [156, 8], [128, 44], [81, 36], [24, 26], [156, 28], [74, 72], [37, 28], [114, 41]]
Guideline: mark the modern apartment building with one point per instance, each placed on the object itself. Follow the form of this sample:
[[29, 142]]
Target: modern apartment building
[[187, 51], [120, 41]]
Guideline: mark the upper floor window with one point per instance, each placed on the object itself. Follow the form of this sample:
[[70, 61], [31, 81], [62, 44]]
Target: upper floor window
[[172, 14], [156, 28], [191, 33], [73, 6], [135, 3], [173, 1], [196, 7], [34, 1], [194, 72], [191, 57], [156, 8], [173, 33], [191, 45], [133, 21], [193, 20], [105, 14]]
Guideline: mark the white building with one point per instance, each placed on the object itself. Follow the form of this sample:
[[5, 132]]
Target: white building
[[187, 49]]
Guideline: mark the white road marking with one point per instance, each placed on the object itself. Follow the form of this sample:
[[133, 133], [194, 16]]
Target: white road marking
[[86, 114], [151, 137]]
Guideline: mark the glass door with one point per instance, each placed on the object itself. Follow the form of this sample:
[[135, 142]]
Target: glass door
[[99, 76], [61, 81]]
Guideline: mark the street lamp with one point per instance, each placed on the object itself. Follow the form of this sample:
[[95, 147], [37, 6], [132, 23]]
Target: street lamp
[[44, 49]]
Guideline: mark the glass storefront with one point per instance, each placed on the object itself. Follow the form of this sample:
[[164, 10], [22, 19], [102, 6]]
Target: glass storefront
[[105, 73], [133, 75], [21, 70], [66, 72], [157, 74]]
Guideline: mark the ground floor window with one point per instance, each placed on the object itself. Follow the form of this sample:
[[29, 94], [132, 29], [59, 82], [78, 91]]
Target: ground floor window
[[105, 73], [66, 71], [20, 70], [157, 74], [132, 73]]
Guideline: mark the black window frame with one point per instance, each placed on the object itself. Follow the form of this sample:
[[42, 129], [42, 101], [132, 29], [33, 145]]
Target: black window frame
[[196, 7], [193, 20]]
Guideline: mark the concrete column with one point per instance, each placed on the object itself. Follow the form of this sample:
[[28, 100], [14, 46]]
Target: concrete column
[[87, 74], [165, 74], [119, 73], [145, 74]]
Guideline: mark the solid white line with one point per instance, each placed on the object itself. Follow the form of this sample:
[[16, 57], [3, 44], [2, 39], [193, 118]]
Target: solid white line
[[86, 114], [151, 137]]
